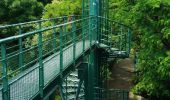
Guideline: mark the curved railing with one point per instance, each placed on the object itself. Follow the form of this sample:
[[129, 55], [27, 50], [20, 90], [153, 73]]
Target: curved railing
[[115, 35]]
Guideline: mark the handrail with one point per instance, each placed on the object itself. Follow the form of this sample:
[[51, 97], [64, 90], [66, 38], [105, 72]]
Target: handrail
[[43, 20], [115, 22], [33, 22], [38, 31]]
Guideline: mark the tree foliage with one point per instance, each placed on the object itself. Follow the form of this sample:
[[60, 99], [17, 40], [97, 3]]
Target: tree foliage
[[15, 11], [62, 8], [150, 20]]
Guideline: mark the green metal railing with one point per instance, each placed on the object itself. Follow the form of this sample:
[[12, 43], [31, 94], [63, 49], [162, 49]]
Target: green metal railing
[[115, 35], [32, 47]]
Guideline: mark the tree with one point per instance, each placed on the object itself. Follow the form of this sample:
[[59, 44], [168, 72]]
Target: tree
[[150, 20], [16, 11], [62, 8]]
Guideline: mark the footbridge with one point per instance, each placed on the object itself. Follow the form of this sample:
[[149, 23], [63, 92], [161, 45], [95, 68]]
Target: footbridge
[[63, 56]]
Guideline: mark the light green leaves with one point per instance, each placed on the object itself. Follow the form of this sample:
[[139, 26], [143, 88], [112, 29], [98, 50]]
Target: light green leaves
[[62, 8]]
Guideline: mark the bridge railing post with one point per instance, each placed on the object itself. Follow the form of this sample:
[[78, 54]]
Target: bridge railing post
[[74, 38], [64, 30], [54, 37], [5, 90], [20, 49], [40, 58], [61, 50], [125, 39], [122, 38]]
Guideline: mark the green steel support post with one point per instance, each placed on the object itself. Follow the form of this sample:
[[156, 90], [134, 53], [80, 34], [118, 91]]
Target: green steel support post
[[55, 38], [20, 49], [89, 78], [40, 58], [89, 83], [74, 40], [5, 91], [96, 70], [90, 75]]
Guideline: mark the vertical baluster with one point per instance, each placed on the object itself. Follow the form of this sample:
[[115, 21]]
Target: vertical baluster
[[74, 39], [20, 49], [55, 37], [65, 31], [127, 45], [40, 58], [4, 73], [125, 39], [61, 51]]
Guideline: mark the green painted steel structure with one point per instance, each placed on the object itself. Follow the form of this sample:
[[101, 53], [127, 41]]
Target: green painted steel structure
[[46, 54]]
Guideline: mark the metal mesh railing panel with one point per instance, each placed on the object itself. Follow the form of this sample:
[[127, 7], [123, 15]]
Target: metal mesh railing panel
[[25, 87]]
